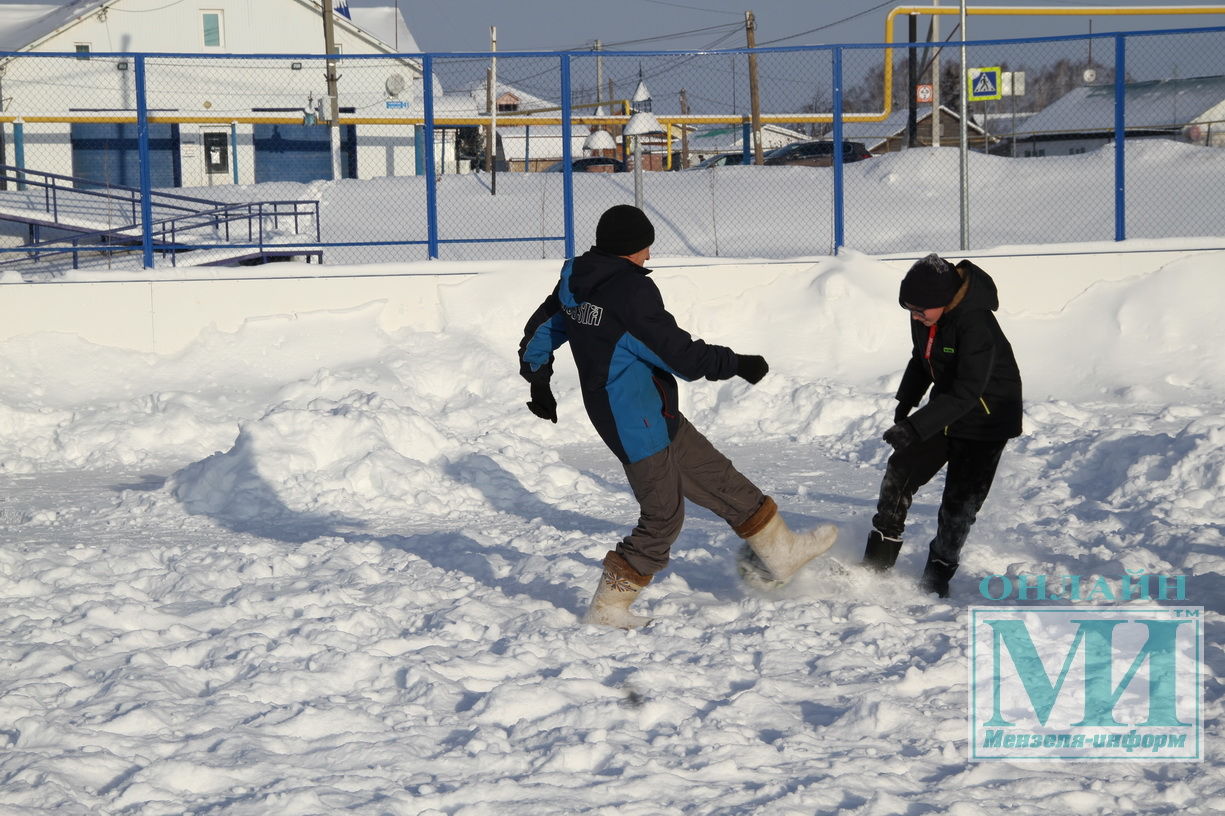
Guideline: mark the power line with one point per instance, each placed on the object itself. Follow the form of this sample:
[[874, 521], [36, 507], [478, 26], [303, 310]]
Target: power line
[[722, 27], [829, 25], [692, 8]]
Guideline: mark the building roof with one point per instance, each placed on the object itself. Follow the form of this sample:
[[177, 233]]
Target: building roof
[[729, 138], [875, 134], [24, 25], [1162, 103]]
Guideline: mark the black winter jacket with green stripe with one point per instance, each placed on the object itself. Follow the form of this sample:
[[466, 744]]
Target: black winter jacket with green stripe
[[969, 365]]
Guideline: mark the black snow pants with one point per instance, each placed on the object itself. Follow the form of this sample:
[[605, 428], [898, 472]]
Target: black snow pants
[[971, 469]]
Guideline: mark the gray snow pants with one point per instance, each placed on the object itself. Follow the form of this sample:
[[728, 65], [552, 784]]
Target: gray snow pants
[[689, 468]]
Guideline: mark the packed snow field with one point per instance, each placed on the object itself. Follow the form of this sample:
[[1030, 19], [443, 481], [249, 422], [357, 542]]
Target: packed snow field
[[311, 566]]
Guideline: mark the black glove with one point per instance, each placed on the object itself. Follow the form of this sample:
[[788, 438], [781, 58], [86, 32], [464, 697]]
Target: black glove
[[902, 435], [901, 412], [543, 403], [751, 367]]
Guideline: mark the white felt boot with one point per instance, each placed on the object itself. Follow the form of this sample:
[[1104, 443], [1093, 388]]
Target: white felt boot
[[619, 587]]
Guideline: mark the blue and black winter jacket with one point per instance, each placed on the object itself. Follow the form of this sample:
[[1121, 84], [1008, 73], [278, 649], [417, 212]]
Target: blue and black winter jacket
[[626, 346]]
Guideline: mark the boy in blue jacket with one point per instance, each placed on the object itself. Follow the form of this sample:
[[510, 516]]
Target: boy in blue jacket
[[628, 351]]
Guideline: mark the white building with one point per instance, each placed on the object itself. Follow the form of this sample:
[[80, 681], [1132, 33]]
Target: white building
[[213, 120]]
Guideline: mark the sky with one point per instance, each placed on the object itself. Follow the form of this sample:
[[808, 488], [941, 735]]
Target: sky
[[646, 25], [323, 559], [660, 24]]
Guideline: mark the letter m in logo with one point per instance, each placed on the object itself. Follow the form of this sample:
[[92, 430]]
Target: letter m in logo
[[1100, 694]]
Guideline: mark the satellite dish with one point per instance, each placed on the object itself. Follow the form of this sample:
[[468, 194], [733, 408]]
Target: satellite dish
[[1090, 75], [395, 85]]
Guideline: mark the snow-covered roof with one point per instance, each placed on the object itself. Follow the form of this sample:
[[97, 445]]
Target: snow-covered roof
[[875, 134], [728, 138], [1162, 103], [24, 24]]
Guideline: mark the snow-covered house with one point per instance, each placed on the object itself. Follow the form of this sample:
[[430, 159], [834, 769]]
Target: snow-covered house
[[893, 133], [529, 147], [215, 120], [711, 140], [1187, 109]]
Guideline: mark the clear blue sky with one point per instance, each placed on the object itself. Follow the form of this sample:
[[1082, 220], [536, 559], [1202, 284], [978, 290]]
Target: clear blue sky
[[661, 24], [647, 25]]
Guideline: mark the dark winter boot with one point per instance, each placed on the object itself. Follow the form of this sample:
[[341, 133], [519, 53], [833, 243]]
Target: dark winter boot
[[936, 576], [880, 553]]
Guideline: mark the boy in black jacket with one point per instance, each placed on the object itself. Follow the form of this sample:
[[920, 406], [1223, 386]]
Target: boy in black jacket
[[961, 353], [627, 349]]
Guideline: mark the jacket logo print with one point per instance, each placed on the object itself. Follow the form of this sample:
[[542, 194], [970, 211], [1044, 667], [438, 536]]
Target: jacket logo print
[[587, 314], [949, 350]]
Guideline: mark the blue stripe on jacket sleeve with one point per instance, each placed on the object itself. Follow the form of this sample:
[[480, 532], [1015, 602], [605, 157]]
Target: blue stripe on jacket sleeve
[[550, 335], [640, 350]]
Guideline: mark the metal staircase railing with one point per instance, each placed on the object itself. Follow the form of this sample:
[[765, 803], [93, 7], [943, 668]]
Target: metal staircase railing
[[244, 229]]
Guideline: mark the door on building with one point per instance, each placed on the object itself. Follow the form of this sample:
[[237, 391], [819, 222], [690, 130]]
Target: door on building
[[302, 152], [107, 154], [217, 157]]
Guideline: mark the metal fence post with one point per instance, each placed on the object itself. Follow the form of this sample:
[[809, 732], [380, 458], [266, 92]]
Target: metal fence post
[[1120, 138], [431, 180], [839, 203], [146, 182], [19, 151], [567, 178], [234, 150]]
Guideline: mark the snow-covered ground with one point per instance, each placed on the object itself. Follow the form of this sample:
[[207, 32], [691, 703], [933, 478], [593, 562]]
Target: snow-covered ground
[[312, 566]]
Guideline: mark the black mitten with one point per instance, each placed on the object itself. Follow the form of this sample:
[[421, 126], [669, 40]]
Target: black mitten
[[902, 435], [751, 367], [543, 404]]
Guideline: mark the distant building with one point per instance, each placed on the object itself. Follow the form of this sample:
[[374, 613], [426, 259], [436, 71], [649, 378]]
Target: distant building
[[224, 121], [521, 147], [893, 134], [1191, 109], [705, 142]]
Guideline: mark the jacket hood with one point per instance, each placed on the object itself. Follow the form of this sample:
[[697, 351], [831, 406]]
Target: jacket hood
[[593, 268], [980, 290]]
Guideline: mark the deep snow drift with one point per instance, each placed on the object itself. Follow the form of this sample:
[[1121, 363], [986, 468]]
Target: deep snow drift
[[311, 566]]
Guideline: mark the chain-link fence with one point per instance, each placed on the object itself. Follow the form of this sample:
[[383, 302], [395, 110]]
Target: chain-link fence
[[130, 160]]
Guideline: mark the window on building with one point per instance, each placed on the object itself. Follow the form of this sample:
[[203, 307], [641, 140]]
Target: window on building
[[213, 30], [508, 103], [83, 51]]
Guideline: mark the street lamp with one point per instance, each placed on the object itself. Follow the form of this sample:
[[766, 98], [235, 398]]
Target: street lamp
[[641, 123]]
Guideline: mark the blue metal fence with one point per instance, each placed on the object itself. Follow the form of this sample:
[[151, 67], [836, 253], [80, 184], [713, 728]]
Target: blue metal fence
[[442, 209]]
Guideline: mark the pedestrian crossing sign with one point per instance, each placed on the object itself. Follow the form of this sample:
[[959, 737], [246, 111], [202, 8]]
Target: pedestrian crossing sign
[[984, 84]]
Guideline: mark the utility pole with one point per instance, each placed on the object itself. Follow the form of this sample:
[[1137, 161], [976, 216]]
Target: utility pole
[[935, 27], [599, 71], [965, 144], [684, 130], [492, 152], [329, 45], [750, 30]]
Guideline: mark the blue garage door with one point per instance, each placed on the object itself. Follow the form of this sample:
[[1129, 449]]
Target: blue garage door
[[302, 152], [107, 154]]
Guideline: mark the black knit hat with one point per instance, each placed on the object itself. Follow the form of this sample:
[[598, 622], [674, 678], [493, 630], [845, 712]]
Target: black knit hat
[[930, 283], [623, 230]]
